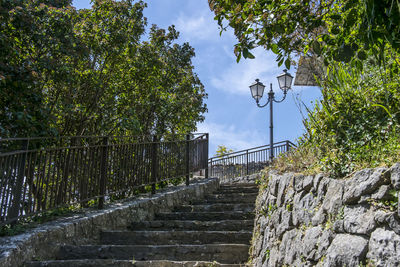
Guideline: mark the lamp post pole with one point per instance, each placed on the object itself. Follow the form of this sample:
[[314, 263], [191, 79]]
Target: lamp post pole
[[257, 91], [271, 96]]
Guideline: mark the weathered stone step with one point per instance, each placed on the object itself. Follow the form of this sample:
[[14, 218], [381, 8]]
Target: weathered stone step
[[223, 253], [126, 263], [246, 207], [221, 198], [230, 190], [231, 196], [205, 216], [238, 185], [173, 237], [222, 225]]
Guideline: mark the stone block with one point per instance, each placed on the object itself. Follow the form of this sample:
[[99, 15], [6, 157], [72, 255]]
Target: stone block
[[316, 180], [285, 224], [333, 197], [308, 183], [364, 182], [318, 218], [384, 248], [359, 219], [303, 209], [346, 250], [310, 241], [395, 176], [298, 183], [288, 248]]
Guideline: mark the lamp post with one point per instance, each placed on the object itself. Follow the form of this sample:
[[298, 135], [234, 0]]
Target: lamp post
[[257, 91]]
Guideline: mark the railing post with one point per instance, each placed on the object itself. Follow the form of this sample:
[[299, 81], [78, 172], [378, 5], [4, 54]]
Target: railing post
[[211, 167], [287, 146], [103, 172], [154, 164], [187, 158], [247, 162], [17, 190], [206, 157]]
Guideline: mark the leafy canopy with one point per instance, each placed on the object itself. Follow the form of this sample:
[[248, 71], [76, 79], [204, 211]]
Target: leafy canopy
[[88, 72], [338, 30]]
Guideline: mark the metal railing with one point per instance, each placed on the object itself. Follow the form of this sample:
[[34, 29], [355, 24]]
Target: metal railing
[[39, 174], [245, 162]]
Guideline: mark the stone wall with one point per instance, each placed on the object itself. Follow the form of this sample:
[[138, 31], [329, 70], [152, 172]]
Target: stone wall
[[319, 221], [44, 241]]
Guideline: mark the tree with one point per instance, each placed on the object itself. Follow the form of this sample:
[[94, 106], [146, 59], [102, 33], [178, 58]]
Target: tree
[[88, 72], [222, 150], [32, 40], [341, 30]]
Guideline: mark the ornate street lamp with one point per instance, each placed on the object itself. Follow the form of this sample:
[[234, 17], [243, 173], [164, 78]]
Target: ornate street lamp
[[257, 91]]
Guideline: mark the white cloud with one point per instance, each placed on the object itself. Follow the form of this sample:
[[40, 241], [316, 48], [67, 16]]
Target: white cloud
[[195, 28], [230, 136], [237, 77], [199, 26]]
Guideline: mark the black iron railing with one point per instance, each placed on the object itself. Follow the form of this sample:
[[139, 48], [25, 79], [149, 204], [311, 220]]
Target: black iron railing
[[245, 162], [39, 174]]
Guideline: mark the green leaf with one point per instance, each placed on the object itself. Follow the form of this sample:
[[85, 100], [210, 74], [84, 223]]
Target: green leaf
[[362, 55], [287, 63], [274, 48], [335, 17], [245, 52], [316, 47]]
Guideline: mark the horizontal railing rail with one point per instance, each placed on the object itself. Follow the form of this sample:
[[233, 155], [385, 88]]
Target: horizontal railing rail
[[40, 174], [245, 162]]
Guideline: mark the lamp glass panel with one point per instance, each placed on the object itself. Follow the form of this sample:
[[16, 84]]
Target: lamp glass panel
[[285, 81], [257, 90]]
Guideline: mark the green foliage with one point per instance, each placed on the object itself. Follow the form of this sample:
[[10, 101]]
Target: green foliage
[[222, 150], [339, 31], [88, 72], [355, 125]]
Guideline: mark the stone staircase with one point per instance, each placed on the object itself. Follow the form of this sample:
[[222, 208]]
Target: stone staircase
[[215, 231]]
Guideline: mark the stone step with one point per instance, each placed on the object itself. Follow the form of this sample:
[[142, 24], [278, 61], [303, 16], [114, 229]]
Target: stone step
[[245, 207], [220, 198], [218, 195], [222, 225], [245, 188], [235, 185], [223, 253], [126, 263], [205, 216], [174, 237], [237, 191]]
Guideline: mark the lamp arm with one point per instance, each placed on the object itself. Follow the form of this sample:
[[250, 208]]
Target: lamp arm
[[284, 96], [261, 106]]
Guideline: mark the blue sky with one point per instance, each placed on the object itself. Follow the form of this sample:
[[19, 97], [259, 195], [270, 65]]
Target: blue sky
[[233, 119]]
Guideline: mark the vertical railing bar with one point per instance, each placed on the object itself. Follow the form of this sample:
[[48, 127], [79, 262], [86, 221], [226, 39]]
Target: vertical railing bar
[[2, 160], [74, 171], [41, 168], [126, 167], [154, 148], [15, 208], [11, 181], [103, 173], [4, 186], [187, 159], [91, 172], [48, 164], [76, 168]]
